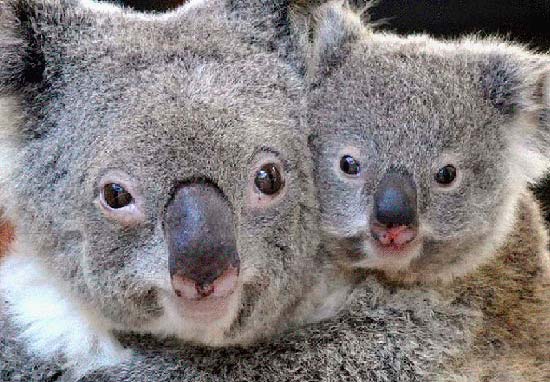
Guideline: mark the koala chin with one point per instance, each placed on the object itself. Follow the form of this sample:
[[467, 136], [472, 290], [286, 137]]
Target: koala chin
[[158, 179]]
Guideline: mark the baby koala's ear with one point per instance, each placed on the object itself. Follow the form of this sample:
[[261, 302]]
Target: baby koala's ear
[[518, 85], [515, 82], [335, 28]]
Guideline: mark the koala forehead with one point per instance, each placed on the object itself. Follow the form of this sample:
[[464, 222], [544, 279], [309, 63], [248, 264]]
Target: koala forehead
[[163, 101], [403, 103], [145, 96]]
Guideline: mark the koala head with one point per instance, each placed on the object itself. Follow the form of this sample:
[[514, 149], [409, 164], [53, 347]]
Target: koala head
[[422, 148], [159, 169]]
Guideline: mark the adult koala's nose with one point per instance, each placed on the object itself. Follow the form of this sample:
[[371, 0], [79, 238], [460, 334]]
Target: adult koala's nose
[[395, 219], [200, 233]]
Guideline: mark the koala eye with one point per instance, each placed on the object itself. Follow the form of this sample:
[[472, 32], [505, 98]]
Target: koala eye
[[349, 165], [116, 196], [120, 199], [268, 179], [445, 175]]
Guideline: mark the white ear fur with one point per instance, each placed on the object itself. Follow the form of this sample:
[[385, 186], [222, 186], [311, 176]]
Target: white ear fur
[[102, 7]]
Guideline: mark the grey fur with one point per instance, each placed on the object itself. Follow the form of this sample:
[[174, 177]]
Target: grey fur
[[414, 105], [388, 334], [380, 338], [417, 104], [385, 336]]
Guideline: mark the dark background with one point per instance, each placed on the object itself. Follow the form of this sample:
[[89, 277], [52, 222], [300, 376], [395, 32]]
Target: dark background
[[523, 21]]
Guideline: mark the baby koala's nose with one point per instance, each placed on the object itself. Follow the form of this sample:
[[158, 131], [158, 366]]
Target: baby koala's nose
[[394, 222], [395, 201], [200, 234]]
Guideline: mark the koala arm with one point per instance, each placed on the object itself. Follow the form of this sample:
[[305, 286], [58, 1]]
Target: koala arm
[[16, 364], [368, 342]]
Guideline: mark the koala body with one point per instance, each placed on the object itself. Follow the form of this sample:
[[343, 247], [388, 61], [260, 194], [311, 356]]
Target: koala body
[[486, 322], [424, 153], [158, 179]]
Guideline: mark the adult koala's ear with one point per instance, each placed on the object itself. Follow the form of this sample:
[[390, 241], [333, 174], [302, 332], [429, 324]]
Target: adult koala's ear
[[39, 40], [28, 33], [335, 28], [518, 86]]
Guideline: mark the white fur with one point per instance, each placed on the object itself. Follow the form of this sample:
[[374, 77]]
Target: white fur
[[51, 323], [108, 8]]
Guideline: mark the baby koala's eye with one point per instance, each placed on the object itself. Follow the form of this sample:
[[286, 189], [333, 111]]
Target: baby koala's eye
[[268, 179], [116, 196], [445, 175], [349, 165]]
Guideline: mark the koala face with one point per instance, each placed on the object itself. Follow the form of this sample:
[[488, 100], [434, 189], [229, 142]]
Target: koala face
[[422, 148], [161, 172]]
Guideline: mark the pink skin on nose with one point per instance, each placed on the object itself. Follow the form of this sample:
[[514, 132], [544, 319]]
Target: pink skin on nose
[[221, 287], [395, 237]]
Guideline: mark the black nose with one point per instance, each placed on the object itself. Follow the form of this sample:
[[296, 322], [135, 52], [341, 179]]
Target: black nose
[[200, 234], [395, 200]]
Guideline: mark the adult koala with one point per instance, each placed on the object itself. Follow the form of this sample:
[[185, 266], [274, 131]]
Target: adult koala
[[158, 178]]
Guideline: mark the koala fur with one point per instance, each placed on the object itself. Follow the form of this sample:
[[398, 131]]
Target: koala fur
[[413, 105], [389, 333], [152, 101]]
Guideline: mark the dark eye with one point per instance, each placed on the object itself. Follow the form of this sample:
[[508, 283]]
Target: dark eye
[[116, 196], [268, 179], [349, 165], [445, 175]]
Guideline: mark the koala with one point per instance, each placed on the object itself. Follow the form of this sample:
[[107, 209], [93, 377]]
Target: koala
[[159, 181], [419, 176], [424, 151]]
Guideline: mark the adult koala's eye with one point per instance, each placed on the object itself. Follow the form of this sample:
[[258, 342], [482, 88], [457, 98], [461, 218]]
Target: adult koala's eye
[[268, 179], [120, 198], [116, 196], [445, 175], [349, 165]]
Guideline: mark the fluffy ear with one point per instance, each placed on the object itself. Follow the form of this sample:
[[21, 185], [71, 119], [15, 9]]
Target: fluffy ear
[[335, 28], [518, 85], [28, 30], [38, 40]]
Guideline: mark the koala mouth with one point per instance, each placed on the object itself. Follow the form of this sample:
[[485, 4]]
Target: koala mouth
[[395, 240], [379, 248], [207, 301]]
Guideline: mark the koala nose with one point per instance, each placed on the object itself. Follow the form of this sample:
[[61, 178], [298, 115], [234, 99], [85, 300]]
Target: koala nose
[[199, 231], [395, 200]]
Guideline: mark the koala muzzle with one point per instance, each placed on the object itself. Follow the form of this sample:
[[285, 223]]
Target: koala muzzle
[[394, 219], [200, 234]]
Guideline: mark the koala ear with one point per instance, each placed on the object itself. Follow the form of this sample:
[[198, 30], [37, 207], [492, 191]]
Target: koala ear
[[336, 27], [518, 85], [32, 36], [514, 83]]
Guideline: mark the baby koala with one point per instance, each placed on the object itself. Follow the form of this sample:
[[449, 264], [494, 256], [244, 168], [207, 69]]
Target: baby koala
[[158, 179], [424, 151], [424, 148]]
